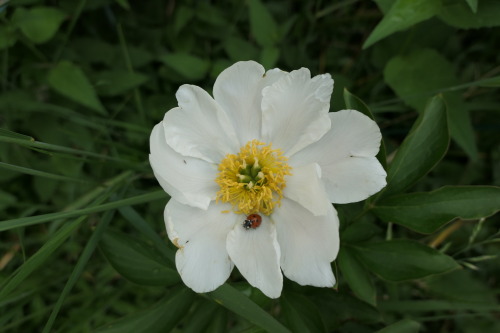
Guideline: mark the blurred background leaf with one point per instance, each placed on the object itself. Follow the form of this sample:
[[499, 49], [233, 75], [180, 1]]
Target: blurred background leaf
[[84, 82]]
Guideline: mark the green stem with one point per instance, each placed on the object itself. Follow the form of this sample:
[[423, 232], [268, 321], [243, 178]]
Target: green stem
[[128, 63], [71, 26]]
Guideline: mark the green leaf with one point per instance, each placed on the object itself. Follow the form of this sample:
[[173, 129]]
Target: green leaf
[[402, 326], [301, 313], [384, 5], [402, 15], [31, 220], [38, 173], [401, 260], [39, 24], [162, 317], [356, 276], [459, 14], [355, 103], [239, 49], [240, 304], [403, 74], [116, 82], [434, 305], [137, 261], [6, 133], [473, 5], [427, 212], [40, 257], [421, 150], [269, 56], [138, 222], [183, 15], [262, 25], [462, 286], [201, 317], [79, 267], [490, 82], [189, 66], [70, 81]]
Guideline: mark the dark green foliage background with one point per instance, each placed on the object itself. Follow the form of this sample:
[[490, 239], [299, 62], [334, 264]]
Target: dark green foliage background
[[83, 246]]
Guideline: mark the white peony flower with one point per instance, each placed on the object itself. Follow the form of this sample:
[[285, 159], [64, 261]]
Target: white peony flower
[[252, 173]]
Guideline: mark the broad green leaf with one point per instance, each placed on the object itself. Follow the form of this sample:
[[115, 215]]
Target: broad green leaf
[[384, 5], [183, 14], [301, 313], [70, 81], [355, 103], [39, 24], [360, 231], [137, 261], [189, 66], [473, 5], [116, 82], [426, 212], [402, 15], [402, 326], [269, 56], [404, 76], [421, 150], [460, 15], [262, 25], [463, 286], [240, 304], [239, 49], [401, 259], [160, 318], [357, 276], [419, 75]]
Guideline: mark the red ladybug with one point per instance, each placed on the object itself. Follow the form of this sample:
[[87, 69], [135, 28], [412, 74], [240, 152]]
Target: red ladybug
[[252, 221]]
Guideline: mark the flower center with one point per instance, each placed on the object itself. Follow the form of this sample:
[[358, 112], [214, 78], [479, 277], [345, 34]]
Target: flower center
[[253, 180]]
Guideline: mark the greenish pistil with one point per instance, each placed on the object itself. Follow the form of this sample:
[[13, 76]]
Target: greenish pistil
[[250, 174]]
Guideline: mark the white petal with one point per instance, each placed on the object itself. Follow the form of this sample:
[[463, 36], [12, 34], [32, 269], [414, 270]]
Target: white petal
[[305, 187], [238, 90], [308, 243], [199, 127], [189, 180], [346, 157], [202, 259], [353, 179], [256, 253], [295, 110]]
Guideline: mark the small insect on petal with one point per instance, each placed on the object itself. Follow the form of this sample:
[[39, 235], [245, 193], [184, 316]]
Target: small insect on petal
[[252, 221]]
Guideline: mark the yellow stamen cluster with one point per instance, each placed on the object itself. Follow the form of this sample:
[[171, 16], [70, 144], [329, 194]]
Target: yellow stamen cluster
[[253, 180]]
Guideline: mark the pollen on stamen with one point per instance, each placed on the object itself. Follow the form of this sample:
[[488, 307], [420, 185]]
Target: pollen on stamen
[[253, 180]]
